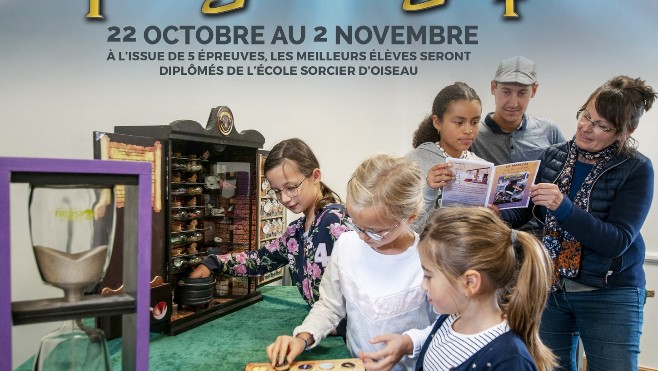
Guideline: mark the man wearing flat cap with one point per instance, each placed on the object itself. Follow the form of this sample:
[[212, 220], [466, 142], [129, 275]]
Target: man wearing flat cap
[[509, 134]]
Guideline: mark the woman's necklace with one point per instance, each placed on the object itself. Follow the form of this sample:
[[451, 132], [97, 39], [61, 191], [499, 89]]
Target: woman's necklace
[[464, 156]]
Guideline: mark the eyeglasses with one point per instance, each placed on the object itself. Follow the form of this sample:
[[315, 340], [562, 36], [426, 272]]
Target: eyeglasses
[[584, 117], [291, 191], [372, 234]]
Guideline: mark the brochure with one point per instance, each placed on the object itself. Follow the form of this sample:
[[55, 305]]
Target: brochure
[[480, 183]]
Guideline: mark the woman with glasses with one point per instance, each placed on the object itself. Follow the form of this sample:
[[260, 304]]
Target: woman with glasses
[[295, 178], [375, 274], [593, 195], [448, 132]]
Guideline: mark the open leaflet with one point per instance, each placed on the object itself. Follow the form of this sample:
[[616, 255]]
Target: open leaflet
[[479, 183]]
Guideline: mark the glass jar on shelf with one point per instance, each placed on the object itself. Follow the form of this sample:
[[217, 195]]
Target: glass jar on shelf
[[195, 237], [193, 166], [191, 202]]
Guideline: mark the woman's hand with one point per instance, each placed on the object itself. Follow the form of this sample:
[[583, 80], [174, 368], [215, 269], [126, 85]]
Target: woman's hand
[[285, 349], [396, 346], [201, 271], [547, 195], [494, 208], [439, 175]]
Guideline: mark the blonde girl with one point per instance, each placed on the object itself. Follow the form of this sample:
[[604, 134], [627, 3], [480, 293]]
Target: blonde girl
[[375, 275], [491, 284]]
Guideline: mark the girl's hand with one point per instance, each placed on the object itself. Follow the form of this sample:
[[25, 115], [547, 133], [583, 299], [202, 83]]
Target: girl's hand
[[396, 346], [547, 195], [439, 175], [285, 349]]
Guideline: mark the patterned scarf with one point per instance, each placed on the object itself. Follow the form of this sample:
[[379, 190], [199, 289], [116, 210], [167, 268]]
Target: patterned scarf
[[564, 249]]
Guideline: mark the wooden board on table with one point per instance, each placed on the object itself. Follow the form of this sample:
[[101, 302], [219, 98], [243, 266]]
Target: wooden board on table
[[346, 364]]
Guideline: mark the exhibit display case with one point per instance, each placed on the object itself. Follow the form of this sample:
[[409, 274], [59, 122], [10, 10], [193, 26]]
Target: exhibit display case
[[206, 186]]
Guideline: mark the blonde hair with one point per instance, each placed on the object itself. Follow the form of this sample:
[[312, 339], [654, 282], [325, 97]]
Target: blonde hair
[[457, 239], [392, 182]]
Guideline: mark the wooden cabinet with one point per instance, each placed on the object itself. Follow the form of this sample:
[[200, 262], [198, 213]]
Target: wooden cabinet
[[210, 195]]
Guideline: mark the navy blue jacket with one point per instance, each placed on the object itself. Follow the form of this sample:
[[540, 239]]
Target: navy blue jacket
[[506, 352], [609, 231]]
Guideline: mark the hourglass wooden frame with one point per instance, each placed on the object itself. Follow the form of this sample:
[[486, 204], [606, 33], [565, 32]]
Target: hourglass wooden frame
[[134, 304]]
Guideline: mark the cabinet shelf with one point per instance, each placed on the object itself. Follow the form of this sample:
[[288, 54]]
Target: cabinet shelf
[[189, 216], [185, 255], [187, 219], [181, 169], [188, 231], [280, 216], [228, 244], [185, 193], [187, 159], [183, 184], [227, 217], [182, 245], [219, 307]]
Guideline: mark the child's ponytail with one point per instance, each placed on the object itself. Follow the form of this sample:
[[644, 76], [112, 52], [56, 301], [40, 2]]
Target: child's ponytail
[[527, 298]]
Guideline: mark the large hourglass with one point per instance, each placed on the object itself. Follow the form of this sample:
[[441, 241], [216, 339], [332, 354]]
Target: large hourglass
[[72, 230]]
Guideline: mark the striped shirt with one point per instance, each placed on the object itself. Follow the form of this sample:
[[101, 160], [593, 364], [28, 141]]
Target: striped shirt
[[450, 349]]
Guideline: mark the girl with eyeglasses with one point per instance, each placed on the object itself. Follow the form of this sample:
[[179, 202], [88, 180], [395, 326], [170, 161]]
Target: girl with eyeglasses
[[375, 276], [448, 132], [295, 178], [593, 196]]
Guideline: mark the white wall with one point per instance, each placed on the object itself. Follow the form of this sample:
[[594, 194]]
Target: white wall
[[344, 142], [57, 87]]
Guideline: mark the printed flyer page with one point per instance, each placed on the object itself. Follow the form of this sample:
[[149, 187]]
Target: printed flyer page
[[471, 184], [511, 183], [479, 183]]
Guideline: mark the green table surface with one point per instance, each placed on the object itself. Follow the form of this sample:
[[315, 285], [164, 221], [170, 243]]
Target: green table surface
[[230, 342]]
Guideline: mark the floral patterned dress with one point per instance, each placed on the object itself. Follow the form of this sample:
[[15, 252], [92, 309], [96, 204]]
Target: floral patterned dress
[[306, 254]]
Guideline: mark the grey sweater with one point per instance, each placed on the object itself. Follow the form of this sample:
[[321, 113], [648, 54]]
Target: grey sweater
[[425, 156]]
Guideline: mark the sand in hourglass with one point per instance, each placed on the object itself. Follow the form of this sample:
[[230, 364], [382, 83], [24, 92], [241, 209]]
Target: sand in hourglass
[[71, 272]]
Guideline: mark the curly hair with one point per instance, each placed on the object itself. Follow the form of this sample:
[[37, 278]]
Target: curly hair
[[426, 132]]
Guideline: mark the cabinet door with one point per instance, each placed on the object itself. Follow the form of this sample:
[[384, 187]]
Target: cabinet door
[[110, 146], [271, 219], [187, 207]]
